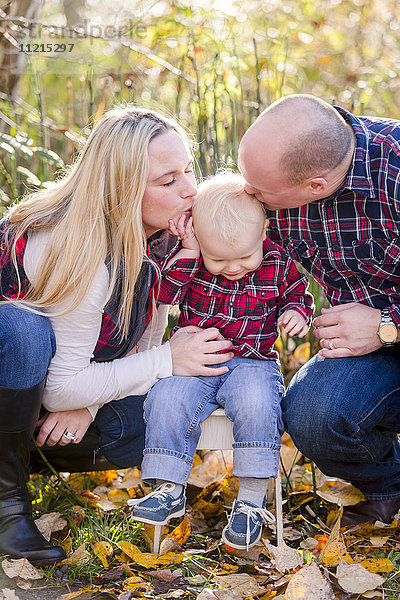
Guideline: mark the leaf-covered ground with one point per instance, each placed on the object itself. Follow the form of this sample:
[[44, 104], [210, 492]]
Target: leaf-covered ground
[[110, 556]]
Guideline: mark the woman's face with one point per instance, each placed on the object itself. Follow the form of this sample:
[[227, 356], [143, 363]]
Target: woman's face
[[171, 185]]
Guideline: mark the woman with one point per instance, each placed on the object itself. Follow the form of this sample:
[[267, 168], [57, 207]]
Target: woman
[[82, 332]]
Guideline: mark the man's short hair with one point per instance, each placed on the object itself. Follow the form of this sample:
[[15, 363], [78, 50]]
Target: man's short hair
[[318, 149], [222, 205]]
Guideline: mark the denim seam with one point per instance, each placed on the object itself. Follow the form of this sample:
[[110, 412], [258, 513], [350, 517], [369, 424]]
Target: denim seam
[[165, 451], [109, 444], [256, 445], [378, 404]]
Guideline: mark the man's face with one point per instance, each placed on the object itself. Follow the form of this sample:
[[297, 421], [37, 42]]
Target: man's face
[[268, 184]]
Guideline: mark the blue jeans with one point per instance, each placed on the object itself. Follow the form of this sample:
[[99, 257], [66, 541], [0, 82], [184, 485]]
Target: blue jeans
[[250, 393], [344, 414], [27, 345]]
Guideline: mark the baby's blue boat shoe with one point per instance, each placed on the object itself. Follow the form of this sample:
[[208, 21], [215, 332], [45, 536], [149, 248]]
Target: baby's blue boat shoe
[[245, 524], [158, 507]]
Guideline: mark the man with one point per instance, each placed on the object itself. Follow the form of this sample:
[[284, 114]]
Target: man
[[330, 182]]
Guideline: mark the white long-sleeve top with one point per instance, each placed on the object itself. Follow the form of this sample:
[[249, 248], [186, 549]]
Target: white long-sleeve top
[[75, 382]]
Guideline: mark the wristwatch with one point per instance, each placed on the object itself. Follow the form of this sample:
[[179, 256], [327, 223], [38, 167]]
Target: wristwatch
[[387, 331]]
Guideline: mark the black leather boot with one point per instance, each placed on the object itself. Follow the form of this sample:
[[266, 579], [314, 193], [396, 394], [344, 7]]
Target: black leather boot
[[19, 536]]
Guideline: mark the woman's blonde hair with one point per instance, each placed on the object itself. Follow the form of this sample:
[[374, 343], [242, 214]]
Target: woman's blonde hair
[[222, 203], [94, 212]]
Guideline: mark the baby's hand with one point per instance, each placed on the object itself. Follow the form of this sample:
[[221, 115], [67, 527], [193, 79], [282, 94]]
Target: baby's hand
[[183, 230], [293, 323]]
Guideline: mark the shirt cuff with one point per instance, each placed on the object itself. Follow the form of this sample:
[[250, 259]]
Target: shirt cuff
[[93, 410], [394, 311], [186, 267]]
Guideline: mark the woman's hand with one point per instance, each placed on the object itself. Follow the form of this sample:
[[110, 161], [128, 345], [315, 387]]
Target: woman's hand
[[192, 348], [54, 425], [183, 230]]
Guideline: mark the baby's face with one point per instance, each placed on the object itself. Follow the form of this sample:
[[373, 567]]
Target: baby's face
[[232, 262]]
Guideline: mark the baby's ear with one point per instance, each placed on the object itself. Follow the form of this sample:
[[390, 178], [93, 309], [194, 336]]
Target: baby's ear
[[265, 228]]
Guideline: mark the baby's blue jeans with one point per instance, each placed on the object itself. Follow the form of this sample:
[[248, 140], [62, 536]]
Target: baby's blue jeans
[[250, 393]]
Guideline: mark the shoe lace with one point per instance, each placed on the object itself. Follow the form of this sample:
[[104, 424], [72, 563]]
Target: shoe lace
[[161, 492], [252, 512]]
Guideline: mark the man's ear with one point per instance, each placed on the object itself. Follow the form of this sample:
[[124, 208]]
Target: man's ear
[[265, 228], [317, 185]]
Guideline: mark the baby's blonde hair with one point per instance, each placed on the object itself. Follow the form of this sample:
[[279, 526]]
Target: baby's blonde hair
[[223, 205]]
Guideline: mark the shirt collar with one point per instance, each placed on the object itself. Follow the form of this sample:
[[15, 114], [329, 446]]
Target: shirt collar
[[359, 175]]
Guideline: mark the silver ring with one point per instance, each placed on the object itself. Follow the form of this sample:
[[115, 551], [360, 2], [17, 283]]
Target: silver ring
[[69, 436], [330, 344]]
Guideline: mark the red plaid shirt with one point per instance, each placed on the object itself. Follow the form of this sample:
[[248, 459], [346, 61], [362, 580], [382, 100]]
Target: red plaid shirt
[[245, 311], [350, 242]]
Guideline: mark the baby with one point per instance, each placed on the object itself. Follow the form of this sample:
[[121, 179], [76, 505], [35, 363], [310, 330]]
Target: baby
[[227, 274]]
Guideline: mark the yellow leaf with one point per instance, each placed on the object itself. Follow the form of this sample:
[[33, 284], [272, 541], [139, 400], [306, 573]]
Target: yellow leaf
[[340, 492], [149, 560], [79, 557], [181, 532], [227, 568], [196, 460], [302, 353], [335, 549], [132, 583], [378, 565], [118, 496], [102, 551], [123, 558]]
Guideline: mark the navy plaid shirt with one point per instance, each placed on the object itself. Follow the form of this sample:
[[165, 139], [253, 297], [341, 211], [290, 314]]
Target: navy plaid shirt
[[349, 242]]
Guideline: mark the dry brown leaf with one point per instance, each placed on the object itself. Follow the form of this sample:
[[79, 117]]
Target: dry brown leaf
[[309, 544], [202, 502], [378, 565], [309, 583], [286, 558], [79, 593], [119, 496], [22, 568], [340, 492], [241, 583], [79, 557], [169, 544], [252, 554], [212, 468], [50, 522], [8, 594], [355, 579], [378, 541]]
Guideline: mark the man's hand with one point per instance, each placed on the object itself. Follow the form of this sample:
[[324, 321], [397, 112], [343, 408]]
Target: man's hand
[[53, 425], [293, 323], [348, 330]]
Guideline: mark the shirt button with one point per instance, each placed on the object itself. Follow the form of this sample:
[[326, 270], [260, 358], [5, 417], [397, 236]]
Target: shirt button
[[263, 293], [335, 248], [204, 288], [230, 304]]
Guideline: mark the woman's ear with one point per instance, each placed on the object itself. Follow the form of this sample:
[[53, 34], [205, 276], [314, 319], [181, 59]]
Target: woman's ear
[[265, 228]]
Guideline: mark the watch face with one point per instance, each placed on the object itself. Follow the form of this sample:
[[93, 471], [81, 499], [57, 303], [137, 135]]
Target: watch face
[[388, 333]]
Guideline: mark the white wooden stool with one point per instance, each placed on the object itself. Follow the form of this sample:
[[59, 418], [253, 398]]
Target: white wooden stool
[[217, 434]]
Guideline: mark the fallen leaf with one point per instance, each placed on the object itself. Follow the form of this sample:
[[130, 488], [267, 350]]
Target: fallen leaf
[[149, 560], [251, 555], [203, 504], [166, 575], [340, 492], [169, 544], [309, 544], [103, 551], [181, 532], [241, 583], [378, 541], [378, 565], [79, 557], [118, 496], [21, 568], [309, 583], [8, 594], [286, 558], [50, 522], [132, 583], [355, 579], [335, 549]]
